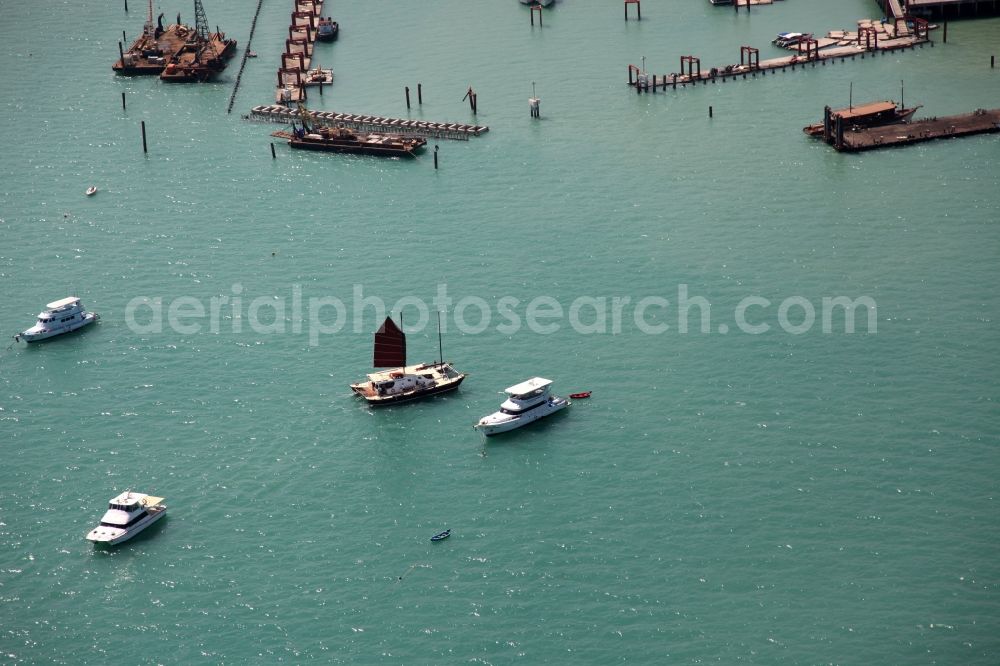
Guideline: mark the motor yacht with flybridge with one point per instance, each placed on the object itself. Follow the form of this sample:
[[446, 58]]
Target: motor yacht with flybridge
[[526, 403], [59, 317], [128, 514]]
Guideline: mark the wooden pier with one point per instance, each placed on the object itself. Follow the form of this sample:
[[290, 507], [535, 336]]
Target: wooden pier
[[980, 121], [868, 41], [277, 113], [294, 73]]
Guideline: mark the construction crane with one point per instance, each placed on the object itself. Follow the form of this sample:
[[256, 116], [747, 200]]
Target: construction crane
[[200, 22], [201, 35]]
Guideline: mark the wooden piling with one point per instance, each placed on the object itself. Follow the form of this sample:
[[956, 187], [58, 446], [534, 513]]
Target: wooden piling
[[407, 88], [320, 88], [273, 155], [435, 156], [124, 38], [992, 60], [420, 93], [475, 103], [126, 6], [123, 101], [121, 53], [536, 8], [709, 111], [944, 37], [144, 150]]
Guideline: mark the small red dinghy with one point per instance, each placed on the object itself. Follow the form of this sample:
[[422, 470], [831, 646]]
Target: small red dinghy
[[578, 396]]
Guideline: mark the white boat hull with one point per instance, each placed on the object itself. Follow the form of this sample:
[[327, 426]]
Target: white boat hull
[[498, 422], [115, 535], [32, 335]]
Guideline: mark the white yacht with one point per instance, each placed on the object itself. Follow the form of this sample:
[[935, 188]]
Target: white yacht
[[59, 317], [526, 403], [127, 515]]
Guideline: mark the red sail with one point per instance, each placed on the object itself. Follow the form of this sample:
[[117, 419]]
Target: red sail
[[390, 346]]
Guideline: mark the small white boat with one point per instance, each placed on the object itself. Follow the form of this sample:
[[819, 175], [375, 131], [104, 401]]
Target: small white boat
[[59, 317], [127, 515], [92, 190], [526, 403]]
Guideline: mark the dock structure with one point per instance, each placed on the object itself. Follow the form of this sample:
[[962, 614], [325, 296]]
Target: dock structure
[[870, 39], [850, 140], [277, 113], [943, 9], [295, 74]]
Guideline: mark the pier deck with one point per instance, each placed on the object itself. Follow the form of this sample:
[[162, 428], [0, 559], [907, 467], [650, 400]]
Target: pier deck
[[296, 61], [981, 121], [871, 39], [280, 114]]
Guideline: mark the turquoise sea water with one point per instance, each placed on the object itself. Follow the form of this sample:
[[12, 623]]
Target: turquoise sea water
[[722, 497]]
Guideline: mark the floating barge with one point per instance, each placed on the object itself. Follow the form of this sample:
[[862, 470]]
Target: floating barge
[[343, 140], [872, 114], [190, 54], [847, 139], [151, 52], [199, 59], [277, 113]]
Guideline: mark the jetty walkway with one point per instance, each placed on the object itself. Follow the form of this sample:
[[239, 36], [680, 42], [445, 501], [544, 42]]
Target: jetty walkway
[[277, 113], [872, 38]]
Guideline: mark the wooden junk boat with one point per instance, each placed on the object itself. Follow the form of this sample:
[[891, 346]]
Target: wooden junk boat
[[343, 140], [402, 383], [873, 114]]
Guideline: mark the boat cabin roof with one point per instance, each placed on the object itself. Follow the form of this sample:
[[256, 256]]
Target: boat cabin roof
[[62, 303], [130, 498], [862, 110], [528, 386]]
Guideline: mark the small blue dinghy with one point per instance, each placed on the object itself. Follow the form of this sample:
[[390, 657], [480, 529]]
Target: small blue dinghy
[[441, 536]]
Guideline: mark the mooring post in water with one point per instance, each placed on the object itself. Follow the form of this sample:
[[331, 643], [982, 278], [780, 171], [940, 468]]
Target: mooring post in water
[[709, 111], [420, 93], [121, 53], [124, 38], [992, 60], [475, 103], [144, 150], [123, 101], [126, 6], [435, 156], [407, 88], [273, 156], [320, 88], [944, 37], [638, 9]]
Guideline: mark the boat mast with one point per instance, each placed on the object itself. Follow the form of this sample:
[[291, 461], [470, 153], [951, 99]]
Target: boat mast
[[440, 348]]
